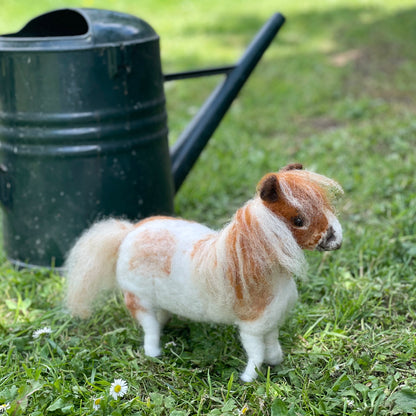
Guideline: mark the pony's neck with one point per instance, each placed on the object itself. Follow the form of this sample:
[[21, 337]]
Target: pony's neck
[[258, 243], [242, 264]]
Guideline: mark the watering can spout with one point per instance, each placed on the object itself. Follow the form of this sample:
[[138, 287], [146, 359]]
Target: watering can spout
[[192, 141]]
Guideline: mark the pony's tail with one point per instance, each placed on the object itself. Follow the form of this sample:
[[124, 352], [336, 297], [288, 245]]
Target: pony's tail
[[91, 264]]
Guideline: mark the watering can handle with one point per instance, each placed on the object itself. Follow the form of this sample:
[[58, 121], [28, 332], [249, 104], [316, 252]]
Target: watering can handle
[[191, 142]]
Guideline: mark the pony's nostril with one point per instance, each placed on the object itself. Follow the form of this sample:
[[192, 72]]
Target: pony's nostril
[[330, 235]]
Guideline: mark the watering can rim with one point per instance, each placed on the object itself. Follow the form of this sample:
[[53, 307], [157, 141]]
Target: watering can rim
[[86, 40]]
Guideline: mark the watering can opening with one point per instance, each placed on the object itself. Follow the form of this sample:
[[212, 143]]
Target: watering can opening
[[58, 23]]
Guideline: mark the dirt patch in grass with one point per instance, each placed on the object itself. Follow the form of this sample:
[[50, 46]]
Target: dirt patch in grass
[[381, 59]]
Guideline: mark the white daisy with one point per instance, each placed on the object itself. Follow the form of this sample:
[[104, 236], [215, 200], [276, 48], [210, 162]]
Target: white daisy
[[42, 331], [96, 403], [4, 407], [118, 388]]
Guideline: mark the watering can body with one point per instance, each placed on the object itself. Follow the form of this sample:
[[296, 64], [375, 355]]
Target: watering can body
[[83, 130]]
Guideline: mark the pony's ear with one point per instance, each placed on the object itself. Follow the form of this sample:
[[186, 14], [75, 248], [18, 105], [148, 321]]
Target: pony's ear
[[292, 166], [269, 188]]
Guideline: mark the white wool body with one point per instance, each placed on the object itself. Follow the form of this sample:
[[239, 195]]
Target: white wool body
[[202, 292]]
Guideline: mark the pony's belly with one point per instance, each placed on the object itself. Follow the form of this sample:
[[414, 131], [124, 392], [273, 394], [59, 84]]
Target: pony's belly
[[181, 295]]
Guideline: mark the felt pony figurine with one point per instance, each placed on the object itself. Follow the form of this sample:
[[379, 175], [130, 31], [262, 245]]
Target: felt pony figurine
[[241, 275]]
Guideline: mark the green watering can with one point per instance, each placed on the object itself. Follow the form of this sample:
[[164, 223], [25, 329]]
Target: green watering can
[[83, 127]]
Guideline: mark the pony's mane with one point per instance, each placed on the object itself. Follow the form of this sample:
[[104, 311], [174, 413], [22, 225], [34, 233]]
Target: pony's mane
[[249, 254], [263, 240]]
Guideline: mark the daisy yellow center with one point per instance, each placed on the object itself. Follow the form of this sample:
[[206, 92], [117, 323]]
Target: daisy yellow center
[[97, 401], [117, 388]]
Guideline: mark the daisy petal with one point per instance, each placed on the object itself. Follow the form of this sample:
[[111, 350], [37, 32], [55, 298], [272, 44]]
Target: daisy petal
[[42, 331]]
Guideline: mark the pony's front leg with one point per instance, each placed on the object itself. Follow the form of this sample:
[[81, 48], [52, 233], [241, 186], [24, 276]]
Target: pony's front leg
[[255, 349], [273, 350]]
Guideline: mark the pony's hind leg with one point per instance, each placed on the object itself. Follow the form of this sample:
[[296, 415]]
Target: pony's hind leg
[[149, 321], [163, 317], [151, 328], [273, 352]]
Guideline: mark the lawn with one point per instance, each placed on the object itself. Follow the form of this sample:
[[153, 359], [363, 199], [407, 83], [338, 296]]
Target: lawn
[[335, 91]]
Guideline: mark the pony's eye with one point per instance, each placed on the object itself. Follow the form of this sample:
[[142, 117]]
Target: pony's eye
[[298, 221]]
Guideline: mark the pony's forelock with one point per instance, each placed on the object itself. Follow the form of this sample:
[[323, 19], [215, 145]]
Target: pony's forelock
[[331, 188], [312, 189]]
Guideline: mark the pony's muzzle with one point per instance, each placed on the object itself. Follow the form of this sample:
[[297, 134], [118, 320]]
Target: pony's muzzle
[[332, 239]]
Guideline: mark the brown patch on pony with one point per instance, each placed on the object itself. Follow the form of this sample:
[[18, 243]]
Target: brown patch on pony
[[133, 303], [201, 245], [245, 272], [308, 194], [205, 264], [153, 251]]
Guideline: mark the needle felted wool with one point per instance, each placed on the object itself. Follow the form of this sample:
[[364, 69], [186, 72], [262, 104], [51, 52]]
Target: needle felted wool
[[241, 275]]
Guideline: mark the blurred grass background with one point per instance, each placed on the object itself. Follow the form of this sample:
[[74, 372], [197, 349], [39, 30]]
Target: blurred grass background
[[335, 91]]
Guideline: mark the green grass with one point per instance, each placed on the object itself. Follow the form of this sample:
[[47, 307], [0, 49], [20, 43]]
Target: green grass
[[336, 92]]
